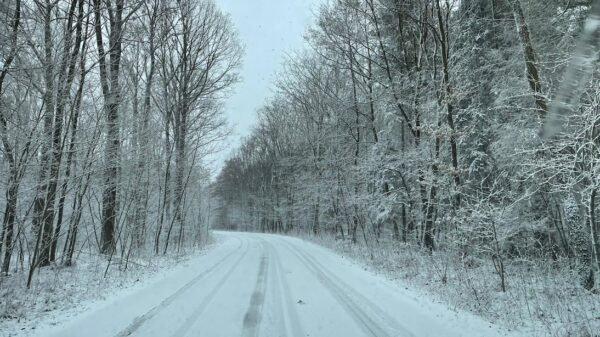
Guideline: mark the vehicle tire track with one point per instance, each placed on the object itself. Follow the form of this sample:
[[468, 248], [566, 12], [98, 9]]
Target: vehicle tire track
[[189, 322], [290, 321], [278, 319], [371, 321], [138, 321], [253, 315]]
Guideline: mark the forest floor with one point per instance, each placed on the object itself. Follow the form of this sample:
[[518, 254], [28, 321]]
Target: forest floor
[[60, 293], [266, 285], [541, 299]]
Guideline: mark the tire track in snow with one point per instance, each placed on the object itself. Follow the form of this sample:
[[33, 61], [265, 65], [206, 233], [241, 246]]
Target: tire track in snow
[[189, 322], [286, 302], [279, 319], [140, 320], [369, 316], [253, 315]]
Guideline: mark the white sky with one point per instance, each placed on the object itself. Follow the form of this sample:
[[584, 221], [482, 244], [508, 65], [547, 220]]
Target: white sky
[[269, 29]]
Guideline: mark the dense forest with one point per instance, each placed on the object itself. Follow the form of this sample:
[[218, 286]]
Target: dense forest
[[467, 129], [107, 111], [453, 144]]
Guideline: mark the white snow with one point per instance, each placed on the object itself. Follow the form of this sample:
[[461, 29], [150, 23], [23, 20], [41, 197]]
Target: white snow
[[268, 285]]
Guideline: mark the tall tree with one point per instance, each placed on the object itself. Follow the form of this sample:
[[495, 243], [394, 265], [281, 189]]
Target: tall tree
[[15, 168], [109, 62], [200, 64]]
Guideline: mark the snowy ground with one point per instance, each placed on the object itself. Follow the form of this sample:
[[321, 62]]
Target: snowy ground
[[59, 294], [542, 298], [267, 285]]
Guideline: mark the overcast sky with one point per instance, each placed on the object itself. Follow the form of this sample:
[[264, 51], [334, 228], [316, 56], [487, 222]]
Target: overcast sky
[[268, 29]]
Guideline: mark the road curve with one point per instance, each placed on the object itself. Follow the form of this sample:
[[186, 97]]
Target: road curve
[[253, 285]]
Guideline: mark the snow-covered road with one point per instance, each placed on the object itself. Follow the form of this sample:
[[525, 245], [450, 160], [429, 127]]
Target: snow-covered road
[[268, 285]]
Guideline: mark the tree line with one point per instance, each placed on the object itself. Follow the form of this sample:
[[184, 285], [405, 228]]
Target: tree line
[[468, 126], [107, 111]]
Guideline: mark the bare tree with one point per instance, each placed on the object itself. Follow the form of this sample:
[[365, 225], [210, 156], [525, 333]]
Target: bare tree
[[199, 61], [109, 62]]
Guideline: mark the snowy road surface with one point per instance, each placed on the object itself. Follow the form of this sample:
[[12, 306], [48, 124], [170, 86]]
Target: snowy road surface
[[268, 285]]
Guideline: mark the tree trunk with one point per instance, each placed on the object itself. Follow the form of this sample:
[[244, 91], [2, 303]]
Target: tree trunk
[[143, 136], [66, 77], [595, 241], [444, 42], [533, 76], [41, 223], [180, 168], [9, 219], [111, 93], [68, 166], [13, 181]]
